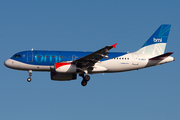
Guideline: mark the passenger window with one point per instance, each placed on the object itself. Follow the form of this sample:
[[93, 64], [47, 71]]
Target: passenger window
[[62, 56]]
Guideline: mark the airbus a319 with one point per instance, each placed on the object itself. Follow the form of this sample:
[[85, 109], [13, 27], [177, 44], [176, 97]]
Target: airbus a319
[[66, 65]]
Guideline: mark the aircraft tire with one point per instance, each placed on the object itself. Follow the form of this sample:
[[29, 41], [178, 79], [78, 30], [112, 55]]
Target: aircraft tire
[[84, 83], [87, 77], [29, 79]]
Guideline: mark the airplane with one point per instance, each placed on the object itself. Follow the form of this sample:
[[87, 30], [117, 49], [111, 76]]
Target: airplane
[[65, 65]]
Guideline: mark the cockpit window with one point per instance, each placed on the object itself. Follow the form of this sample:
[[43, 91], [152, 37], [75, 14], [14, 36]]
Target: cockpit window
[[16, 56]]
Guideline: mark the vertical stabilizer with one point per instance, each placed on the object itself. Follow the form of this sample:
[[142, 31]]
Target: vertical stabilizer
[[156, 44]]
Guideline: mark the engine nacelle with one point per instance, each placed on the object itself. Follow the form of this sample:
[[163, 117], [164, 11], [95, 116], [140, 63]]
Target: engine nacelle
[[65, 67], [63, 76]]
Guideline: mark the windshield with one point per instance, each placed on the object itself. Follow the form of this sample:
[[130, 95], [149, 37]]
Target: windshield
[[16, 56]]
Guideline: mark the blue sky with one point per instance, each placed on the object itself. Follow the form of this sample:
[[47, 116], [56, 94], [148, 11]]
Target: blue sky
[[147, 94]]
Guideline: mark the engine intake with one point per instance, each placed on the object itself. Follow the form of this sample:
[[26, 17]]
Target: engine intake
[[65, 67]]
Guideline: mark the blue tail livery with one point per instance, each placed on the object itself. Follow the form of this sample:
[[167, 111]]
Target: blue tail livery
[[156, 44]]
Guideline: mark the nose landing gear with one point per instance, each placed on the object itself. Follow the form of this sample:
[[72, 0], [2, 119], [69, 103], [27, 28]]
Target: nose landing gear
[[29, 79], [86, 78], [30, 74]]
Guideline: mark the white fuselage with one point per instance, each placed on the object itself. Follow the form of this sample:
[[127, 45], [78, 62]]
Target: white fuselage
[[127, 62]]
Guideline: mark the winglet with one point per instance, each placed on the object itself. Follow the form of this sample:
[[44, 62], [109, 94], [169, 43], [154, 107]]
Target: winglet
[[114, 45]]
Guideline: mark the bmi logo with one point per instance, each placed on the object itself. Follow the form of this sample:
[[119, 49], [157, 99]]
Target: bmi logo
[[157, 40]]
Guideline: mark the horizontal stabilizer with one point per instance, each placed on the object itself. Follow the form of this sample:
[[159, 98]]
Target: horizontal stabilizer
[[161, 57]]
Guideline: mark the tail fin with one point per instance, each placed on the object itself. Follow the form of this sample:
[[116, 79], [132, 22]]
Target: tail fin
[[156, 44]]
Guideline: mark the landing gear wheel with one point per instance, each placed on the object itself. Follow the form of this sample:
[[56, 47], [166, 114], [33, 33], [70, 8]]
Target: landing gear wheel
[[84, 83], [87, 77], [29, 79], [30, 74]]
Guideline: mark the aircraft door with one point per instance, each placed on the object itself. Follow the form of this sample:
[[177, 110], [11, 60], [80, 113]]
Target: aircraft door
[[29, 56], [135, 59]]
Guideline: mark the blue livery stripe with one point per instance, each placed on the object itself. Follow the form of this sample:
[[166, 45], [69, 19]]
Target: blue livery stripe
[[48, 58]]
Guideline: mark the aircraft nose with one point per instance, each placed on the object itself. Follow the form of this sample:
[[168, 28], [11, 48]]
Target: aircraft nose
[[8, 63]]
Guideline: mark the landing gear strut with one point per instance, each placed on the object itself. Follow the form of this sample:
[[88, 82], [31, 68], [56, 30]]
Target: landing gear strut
[[86, 78], [30, 74]]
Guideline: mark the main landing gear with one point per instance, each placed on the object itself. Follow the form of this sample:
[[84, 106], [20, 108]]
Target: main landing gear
[[30, 74], [86, 78]]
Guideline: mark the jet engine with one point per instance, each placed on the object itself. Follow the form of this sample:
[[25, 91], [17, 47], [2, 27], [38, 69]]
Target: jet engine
[[65, 67], [62, 76]]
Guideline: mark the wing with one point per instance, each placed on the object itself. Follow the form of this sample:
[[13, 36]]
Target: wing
[[89, 60]]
